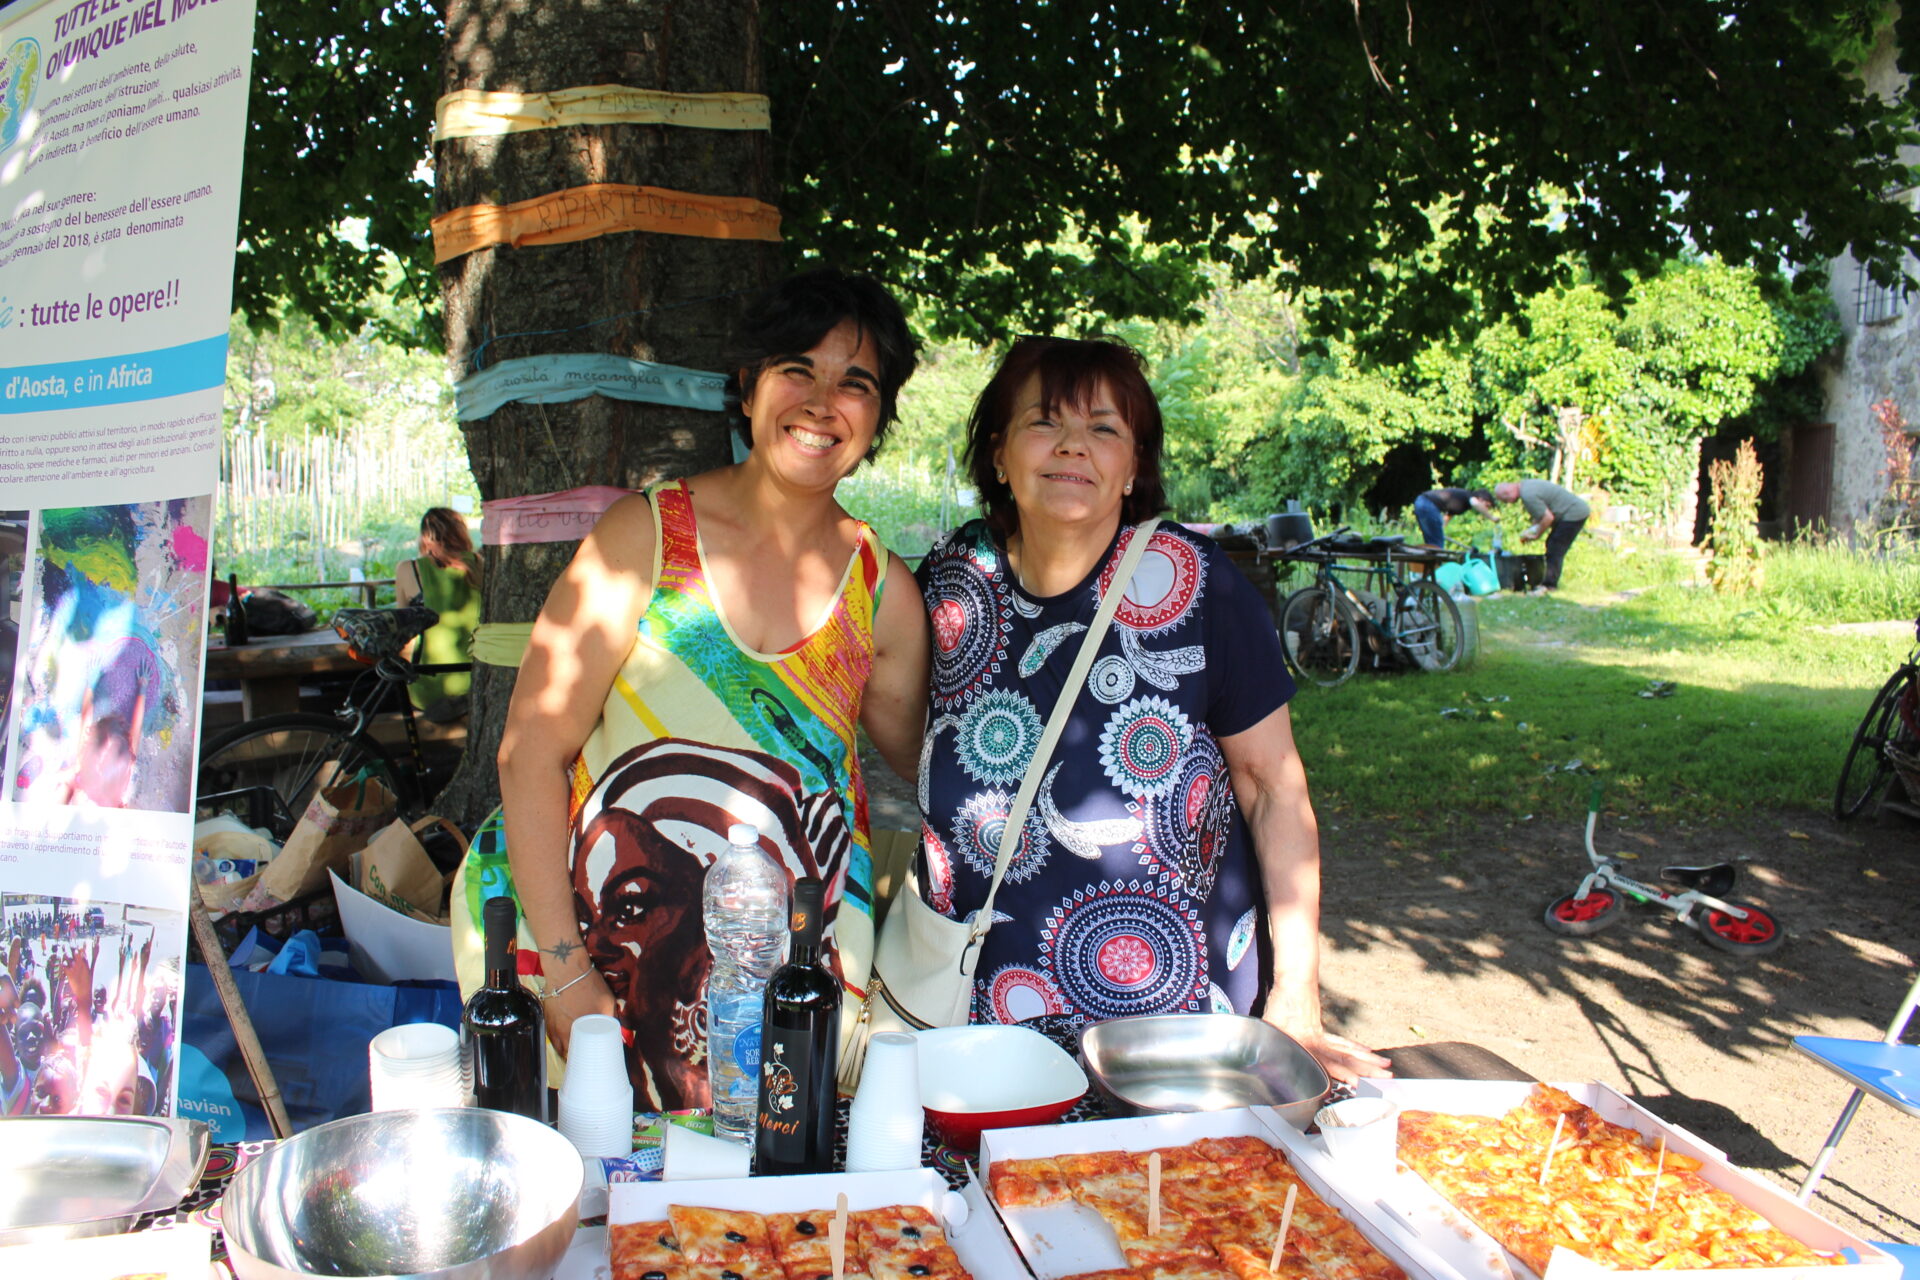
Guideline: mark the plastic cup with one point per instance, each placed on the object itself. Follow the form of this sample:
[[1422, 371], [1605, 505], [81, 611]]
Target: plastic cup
[[884, 1124], [1362, 1134], [689, 1154], [596, 1098], [416, 1065]]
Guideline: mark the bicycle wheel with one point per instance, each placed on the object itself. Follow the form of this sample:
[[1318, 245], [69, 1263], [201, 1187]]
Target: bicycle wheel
[[1582, 917], [1756, 935], [265, 771], [1319, 637], [1865, 773], [1429, 626]]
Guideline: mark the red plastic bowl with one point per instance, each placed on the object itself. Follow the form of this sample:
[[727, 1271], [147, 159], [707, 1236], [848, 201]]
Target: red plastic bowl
[[992, 1077]]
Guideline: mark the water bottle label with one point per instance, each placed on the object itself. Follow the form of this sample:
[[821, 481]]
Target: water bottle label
[[746, 1051]]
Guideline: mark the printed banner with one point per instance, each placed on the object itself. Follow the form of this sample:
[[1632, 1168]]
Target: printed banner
[[581, 213], [121, 129], [478, 113], [552, 379]]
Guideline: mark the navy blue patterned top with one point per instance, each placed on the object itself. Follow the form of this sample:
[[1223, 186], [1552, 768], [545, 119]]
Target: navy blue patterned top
[[1135, 889]]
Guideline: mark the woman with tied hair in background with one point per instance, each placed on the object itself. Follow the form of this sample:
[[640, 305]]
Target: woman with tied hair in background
[[1171, 861], [708, 658], [446, 578]]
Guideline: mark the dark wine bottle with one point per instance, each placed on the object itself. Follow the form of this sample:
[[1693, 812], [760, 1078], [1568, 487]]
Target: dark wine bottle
[[236, 618], [503, 1033], [799, 1050]]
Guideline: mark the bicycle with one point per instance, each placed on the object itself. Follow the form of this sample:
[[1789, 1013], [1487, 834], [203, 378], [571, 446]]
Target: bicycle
[[1323, 624], [1888, 739], [267, 770], [1738, 928]]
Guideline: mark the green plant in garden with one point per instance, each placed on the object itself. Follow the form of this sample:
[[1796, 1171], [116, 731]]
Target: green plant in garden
[[1734, 536]]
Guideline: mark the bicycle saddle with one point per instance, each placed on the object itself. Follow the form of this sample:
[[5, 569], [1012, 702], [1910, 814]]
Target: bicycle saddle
[[1712, 881], [373, 634], [1386, 540]]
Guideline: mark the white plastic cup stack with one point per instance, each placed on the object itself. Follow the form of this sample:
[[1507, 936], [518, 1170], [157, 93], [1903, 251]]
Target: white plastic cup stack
[[596, 1098], [416, 1065], [885, 1121]]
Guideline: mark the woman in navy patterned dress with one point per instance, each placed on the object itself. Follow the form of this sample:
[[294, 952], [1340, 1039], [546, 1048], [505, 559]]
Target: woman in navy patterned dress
[[1171, 861]]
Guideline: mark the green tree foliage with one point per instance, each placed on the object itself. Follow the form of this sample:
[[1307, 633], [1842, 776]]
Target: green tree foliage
[[1398, 166]]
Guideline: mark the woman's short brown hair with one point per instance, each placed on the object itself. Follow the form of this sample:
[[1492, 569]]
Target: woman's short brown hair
[[1071, 370]]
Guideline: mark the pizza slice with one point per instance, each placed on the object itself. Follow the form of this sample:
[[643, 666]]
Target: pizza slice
[[1087, 1165], [1185, 1269], [721, 1236], [904, 1241], [1244, 1153], [936, 1263], [1026, 1184], [645, 1251], [1179, 1162], [1251, 1264], [802, 1244]]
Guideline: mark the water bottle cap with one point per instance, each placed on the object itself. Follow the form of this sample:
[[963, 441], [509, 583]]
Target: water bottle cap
[[744, 833]]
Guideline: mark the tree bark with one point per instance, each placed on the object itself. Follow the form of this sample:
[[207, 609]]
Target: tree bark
[[671, 299]]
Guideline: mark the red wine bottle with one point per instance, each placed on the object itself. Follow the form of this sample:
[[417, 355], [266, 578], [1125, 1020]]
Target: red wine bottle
[[236, 617], [799, 1050], [503, 1033]]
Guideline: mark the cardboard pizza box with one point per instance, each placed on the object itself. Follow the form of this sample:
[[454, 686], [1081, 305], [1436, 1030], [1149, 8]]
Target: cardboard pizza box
[[975, 1234], [1446, 1231], [1065, 1240]]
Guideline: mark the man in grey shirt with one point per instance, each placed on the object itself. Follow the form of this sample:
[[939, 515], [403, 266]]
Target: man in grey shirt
[[1558, 513]]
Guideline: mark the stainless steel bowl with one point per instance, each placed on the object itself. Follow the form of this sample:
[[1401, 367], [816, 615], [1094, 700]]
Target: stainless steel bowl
[[66, 1177], [454, 1194], [1202, 1062]]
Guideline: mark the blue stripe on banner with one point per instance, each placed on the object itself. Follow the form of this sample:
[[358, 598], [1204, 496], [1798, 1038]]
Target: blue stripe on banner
[[115, 379], [551, 379]]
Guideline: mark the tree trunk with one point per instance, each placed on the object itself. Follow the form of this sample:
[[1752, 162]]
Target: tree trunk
[[671, 299]]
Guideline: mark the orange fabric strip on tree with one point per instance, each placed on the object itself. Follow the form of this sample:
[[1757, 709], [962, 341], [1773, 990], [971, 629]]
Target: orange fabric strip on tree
[[581, 213]]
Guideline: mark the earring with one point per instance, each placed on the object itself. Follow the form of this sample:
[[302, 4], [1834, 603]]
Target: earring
[[1129, 488], [1000, 476]]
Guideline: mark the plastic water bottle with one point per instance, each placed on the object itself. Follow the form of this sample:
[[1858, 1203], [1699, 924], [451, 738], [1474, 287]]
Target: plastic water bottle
[[1496, 542], [745, 908]]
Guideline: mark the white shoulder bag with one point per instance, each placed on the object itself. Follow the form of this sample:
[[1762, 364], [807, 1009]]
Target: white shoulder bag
[[923, 963]]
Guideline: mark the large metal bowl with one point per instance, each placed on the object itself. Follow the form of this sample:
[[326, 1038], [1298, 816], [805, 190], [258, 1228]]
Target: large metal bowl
[[67, 1177], [454, 1194], [1202, 1062]]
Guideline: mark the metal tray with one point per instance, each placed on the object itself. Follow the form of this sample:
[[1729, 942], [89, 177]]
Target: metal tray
[[72, 1176]]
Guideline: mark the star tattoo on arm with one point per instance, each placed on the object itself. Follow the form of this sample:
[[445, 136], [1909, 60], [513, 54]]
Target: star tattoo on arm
[[561, 950]]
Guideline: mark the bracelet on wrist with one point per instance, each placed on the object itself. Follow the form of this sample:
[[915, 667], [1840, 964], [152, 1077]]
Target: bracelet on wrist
[[566, 986]]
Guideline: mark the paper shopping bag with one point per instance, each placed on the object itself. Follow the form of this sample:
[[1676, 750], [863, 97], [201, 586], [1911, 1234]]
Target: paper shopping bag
[[338, 823], [394, 869]]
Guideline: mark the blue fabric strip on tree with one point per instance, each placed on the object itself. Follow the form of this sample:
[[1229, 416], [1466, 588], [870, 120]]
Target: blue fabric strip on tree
[[551, 379]]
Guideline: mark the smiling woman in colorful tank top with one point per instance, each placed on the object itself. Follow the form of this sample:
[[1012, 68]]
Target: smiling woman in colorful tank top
[[1170, 863], [708, 658]]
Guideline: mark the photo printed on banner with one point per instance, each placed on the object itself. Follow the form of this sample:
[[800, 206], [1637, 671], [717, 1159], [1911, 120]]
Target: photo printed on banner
[[111, 676], [87, 1007]]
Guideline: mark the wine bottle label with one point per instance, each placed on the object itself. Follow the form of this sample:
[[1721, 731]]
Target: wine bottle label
[[786, 1070]]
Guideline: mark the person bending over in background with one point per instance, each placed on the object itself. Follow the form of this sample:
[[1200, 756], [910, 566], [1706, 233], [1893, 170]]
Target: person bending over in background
[[1432, 510], [1558, 513]]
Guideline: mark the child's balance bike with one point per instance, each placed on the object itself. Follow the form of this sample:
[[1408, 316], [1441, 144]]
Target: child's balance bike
[[1737, 927]]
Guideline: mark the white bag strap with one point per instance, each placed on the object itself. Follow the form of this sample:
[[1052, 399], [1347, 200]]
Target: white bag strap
[[1057, 722]]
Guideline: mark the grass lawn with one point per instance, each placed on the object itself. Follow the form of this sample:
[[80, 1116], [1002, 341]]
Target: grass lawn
[[1764, 703]]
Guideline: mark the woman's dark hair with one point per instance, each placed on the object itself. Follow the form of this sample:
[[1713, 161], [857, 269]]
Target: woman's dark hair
[[453, 547], [792, 318], [1071, 372]]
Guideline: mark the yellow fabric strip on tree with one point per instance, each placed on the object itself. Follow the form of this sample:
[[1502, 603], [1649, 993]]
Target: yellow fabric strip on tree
[[477, 113], [501, 644], [581, 213]]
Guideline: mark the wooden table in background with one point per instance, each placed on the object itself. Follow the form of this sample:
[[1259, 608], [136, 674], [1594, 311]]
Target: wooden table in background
[[271, 668]]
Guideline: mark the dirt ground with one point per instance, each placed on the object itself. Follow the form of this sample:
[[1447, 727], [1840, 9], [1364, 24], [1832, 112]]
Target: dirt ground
[[1435, 935]]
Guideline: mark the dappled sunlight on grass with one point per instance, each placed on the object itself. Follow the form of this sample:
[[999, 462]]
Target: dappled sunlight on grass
[[1759, 716]]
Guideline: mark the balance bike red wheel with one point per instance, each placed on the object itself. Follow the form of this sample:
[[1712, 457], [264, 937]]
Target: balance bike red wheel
[[1756, 935], [1575, 917]]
